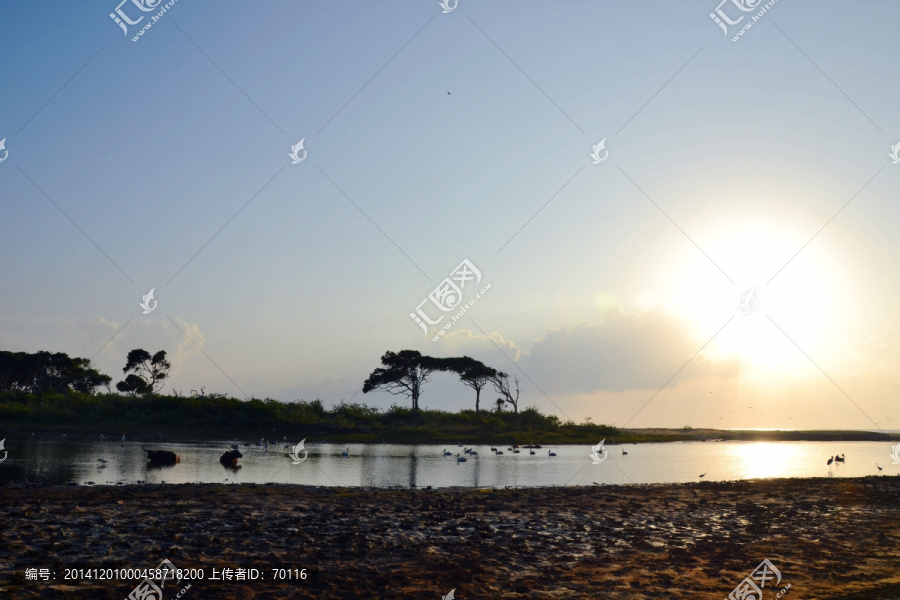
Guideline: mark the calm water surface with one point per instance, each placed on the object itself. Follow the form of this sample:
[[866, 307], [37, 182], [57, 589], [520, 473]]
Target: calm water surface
[[61, 460]]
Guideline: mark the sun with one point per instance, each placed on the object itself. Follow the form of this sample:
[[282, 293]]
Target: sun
[[778, 303]]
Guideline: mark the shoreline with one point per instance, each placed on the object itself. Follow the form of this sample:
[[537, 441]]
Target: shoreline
[[831, 539], [653, 435]]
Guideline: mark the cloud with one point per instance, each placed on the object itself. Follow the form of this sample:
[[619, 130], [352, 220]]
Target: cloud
[[188, 347], [623, 352]]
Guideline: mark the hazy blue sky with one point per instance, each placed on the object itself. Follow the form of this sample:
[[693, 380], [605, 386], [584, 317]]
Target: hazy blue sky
[[164, 164]]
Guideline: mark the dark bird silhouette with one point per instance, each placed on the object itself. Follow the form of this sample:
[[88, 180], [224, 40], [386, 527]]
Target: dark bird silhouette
[[840, 458], [624, 453], [703, 475], [830, 460], [879, 467], [448, 93]]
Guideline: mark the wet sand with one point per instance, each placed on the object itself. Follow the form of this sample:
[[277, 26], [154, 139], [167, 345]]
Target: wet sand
[[831, 539]]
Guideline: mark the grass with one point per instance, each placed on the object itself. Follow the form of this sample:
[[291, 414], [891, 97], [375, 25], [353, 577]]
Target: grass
[[230, 418]]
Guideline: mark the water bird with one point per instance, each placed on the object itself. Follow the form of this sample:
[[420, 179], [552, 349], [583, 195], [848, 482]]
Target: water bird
[[102, 461], [515, 451], [551, 453], [467, 451], [624, 453], [346, 453], [499, 452], [830, 460], [703, 475], [460, 459], [493, 449], [879, 467], [840, 458], [473, 453], [459, 445], [447, 453], [531, 452]]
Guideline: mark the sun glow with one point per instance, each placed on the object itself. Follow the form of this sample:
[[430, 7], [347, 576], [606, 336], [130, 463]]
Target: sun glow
[[780, 302]]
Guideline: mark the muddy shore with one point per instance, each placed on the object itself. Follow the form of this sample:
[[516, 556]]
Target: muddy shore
[[831, 539]]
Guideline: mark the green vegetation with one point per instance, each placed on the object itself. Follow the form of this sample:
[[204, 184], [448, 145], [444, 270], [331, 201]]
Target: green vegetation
[[221, 417]]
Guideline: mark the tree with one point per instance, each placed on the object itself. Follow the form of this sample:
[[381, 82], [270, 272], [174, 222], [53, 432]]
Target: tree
[[43, 372], [151, 370], [500, 402], [473, 373], [404, 374], [503, 387], [133, 385]]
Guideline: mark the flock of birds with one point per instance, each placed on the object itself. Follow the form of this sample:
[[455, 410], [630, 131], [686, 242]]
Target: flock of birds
[[515, 449]]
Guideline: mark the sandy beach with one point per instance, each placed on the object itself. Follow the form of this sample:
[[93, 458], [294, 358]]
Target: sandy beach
[[830, 539]]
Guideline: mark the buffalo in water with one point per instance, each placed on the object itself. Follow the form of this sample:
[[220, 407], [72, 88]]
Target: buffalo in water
[[163, 457], [230, 458]]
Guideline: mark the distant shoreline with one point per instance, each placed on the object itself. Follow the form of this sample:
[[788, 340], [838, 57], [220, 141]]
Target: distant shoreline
[[317, 435]]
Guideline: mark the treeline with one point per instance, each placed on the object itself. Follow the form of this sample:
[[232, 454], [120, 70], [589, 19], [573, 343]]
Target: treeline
[[43, 372], [156, 415]]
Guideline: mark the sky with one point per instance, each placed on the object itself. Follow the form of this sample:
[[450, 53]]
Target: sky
[[726, 258]]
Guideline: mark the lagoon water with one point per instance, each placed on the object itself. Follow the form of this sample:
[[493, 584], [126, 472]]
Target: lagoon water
[[62, 460]]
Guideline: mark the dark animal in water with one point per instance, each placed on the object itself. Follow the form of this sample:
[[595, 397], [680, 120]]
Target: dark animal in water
[[230, 458], [163, 457]]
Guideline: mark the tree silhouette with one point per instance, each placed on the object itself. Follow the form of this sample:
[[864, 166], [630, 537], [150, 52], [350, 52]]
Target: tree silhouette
[[404, 374], [473, 373], [509, 392], [45, 372], [151, 370]]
